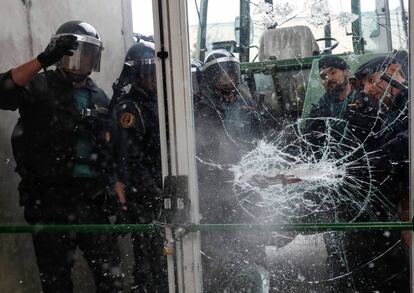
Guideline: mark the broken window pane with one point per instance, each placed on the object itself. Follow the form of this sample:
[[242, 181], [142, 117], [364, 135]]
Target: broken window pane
[[301, 116]]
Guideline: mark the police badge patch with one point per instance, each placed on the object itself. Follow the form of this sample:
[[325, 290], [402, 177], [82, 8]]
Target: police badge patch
[[127, 120]]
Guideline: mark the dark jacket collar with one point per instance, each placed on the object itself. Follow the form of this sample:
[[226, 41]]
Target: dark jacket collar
[[89, 84]]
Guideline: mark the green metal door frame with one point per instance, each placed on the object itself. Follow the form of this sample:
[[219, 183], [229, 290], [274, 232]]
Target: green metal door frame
[[201, 47]]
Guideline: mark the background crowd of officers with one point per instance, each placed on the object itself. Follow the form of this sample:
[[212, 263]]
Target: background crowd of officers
[[369, 107], [76, 151]]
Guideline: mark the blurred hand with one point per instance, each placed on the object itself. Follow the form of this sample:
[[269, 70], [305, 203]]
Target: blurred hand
[[120, 192], [57, 48], [264, 181]]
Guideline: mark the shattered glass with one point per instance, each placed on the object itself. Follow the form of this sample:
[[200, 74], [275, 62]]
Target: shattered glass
[[264, 157]]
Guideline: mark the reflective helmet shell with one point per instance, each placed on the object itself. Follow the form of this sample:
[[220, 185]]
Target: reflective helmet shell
[[87, 57], [141, 58], [140, 51], [77, 27], [221, 68]]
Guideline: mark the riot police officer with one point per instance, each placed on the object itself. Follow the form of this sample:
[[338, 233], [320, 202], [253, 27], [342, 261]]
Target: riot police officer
[[60, 145], [339, 95], [228, 95], [138, 158], [380, 262], [226, 122], [227, 126]]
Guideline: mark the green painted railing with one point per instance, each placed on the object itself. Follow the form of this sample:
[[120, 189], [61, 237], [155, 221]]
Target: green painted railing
[[126, 228]]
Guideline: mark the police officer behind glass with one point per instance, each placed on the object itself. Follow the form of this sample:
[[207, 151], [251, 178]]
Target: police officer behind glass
[[226, 128], [330, 120], [60, 147], [334, 73], [225, 120], [228, 95], [378, 259], [138, 158], [384, 81], [339, 93]]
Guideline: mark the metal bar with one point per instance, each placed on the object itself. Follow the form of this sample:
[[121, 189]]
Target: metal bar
[[90, 228], [244, 31], [182, 139], [328, 34], [126, 228], [404, 18], [388, 25], [281, 65], [361, 226], [161, 43], [202, 31], [357, 41], [286, 64], [162, 91], [411, 126]]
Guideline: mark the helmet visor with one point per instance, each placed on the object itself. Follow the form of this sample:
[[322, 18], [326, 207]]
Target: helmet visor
[[223, 71], [144, 67], [86, 58]]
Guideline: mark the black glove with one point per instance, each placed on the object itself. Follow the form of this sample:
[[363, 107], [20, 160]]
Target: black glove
[[57, 48]]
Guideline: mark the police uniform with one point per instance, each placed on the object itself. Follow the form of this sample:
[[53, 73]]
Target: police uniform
[[336, 122], [60, 144], [138, 159], [224, 133], [378, 260], [329, 105]]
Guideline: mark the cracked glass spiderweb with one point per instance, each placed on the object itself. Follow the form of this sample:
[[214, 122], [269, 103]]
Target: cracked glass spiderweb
[[291, 178]]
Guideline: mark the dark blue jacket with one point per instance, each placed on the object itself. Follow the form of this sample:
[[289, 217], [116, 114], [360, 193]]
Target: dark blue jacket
[[137, 141], [44, 139], [224, 133]]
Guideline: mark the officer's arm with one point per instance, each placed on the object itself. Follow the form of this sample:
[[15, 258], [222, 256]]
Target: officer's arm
[[122, 155], [118, 136], [120, 192], [397, 148], [129, 126], [23, 74], [11, 94], [55, 50], [12, 82]]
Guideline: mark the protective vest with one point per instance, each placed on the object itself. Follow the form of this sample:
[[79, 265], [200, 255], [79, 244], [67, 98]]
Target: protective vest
[[45, 135], [137, 151]]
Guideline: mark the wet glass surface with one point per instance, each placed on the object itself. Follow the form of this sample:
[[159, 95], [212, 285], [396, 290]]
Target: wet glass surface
[[299, 137]]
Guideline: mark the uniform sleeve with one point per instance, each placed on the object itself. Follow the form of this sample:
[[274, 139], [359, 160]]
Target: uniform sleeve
[[129, 132], [11, 94], [398, 147], [310, 123]]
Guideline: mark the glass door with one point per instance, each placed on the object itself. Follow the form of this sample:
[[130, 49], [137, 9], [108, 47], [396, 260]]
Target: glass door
[[302, 154]]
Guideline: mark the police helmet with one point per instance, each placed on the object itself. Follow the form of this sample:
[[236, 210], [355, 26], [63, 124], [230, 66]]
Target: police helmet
[[87, 57], [381, 63], [141, 57], [333, 61], [221, 69]]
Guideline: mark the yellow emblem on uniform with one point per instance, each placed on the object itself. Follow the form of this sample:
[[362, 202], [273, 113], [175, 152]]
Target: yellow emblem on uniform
[[127, 120]]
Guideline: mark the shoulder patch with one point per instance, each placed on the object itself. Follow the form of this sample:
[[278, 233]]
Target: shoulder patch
[[127, 120]]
